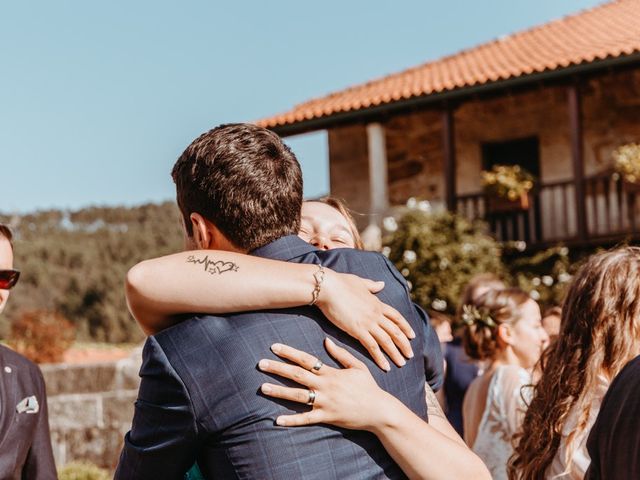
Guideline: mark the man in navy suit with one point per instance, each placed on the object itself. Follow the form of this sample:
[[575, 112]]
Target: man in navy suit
[[239, 188]]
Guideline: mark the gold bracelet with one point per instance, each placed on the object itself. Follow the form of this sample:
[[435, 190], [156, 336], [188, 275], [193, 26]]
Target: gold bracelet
[[319, 278]]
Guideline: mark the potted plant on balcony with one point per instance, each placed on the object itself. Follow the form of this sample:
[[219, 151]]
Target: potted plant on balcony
[[627, 164], [507, 188]]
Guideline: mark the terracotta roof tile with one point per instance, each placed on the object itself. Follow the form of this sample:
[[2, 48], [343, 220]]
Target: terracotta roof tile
[[607, 31]]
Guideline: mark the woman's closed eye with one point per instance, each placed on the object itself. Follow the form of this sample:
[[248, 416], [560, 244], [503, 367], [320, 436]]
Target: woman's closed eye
[[340, 240]]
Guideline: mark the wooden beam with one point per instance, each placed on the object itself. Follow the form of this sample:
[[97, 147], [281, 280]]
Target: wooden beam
[[449, 154], [577, 158]]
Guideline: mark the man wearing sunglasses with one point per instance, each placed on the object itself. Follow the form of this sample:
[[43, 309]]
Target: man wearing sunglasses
[[25, 443]]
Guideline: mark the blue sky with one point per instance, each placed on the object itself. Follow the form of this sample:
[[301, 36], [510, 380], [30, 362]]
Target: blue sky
[[97, 99]]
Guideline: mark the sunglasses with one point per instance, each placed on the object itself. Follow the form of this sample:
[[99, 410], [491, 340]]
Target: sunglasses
[[8, 279]]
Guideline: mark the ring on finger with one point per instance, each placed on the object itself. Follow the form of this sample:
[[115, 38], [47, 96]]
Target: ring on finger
[[312, 397], [318, 365]]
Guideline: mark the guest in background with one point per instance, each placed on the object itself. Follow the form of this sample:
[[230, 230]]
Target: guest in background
[[442, 326], [462, 370], [599, 334], [551, 322], [25, 443], [503, 328]]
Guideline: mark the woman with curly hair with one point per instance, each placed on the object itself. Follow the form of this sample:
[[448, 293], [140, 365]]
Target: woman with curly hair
[[502, 328], [599, 334]]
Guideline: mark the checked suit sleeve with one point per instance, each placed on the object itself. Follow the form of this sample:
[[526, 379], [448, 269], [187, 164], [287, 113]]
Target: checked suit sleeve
[[433, 359], [432, 351], [162, 442]]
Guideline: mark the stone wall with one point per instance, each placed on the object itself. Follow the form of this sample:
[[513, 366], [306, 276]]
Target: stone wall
[[415, 157], [611, 109], [91, 408], [349, 169]]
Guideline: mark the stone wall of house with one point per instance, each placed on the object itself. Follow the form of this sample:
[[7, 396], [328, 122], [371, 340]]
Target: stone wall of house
[[415, 157], [542, 113], [611, 109], [349, 168], [91, 408]]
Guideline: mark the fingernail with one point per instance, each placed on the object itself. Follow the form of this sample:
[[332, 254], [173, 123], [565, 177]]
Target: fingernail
[[412, 334], [410, 353], [263, 364], [402, 362], [386, 366], [266, 388], [276, 347], [330, 341], [281, 421]]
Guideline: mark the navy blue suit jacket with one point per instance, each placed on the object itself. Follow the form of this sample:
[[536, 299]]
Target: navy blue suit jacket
[[199, 397], [614, 441]]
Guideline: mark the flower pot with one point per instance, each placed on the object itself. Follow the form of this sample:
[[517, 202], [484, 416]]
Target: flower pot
[[504, 205]]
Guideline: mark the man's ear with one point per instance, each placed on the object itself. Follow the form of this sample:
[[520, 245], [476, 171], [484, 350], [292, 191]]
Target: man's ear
[[202, 235], [206, 236]]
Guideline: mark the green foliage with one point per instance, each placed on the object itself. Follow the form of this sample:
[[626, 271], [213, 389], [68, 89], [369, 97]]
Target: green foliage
[[507, 181], [75, 263], [545, 275], [438, 253], [82, 471]]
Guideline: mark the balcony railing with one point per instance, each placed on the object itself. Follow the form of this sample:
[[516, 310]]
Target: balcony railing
[[611, 206]]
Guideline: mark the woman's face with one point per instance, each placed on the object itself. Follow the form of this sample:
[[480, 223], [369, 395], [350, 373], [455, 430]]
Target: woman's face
[[324, 227], [528, 337]]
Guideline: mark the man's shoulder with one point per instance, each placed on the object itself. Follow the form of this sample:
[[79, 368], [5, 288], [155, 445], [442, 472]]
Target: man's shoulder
[[21, 365], [14, 358], [190, 328], [630, 373], [351, 260], [626, 384]]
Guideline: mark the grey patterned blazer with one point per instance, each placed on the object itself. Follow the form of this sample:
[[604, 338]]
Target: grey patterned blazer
[[25, 443], [199, 397]]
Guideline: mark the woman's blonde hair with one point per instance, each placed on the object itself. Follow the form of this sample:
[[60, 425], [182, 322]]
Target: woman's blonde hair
[[482, 318], [599, 334]]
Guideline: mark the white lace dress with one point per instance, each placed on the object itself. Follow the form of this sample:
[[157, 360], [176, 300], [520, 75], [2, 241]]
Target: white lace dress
[[502, 417]]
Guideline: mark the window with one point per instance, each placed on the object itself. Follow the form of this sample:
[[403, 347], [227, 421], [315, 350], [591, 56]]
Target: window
[[523, 151]]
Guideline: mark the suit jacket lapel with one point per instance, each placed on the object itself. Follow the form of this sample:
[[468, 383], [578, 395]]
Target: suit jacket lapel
[[8, 393]]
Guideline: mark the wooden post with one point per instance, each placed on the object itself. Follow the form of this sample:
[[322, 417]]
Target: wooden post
[[449, 150], [577, 157]]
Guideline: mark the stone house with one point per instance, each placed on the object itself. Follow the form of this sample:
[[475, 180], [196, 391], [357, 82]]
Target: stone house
[[556, 99]]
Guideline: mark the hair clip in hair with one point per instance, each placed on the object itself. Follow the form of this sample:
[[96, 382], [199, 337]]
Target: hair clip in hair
[[472, 315]]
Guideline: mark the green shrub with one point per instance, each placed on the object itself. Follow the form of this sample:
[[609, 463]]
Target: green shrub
[[82, 471], [544, 275], [438, 253]]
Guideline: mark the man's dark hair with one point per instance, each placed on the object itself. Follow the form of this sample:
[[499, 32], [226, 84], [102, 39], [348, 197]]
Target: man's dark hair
[[245, 180], [6, 233]]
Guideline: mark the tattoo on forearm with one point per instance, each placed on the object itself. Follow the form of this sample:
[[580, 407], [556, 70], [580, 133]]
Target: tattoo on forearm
[[433, 406], [213, 266]]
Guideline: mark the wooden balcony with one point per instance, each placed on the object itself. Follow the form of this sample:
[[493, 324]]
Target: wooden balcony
[[611, 209]]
